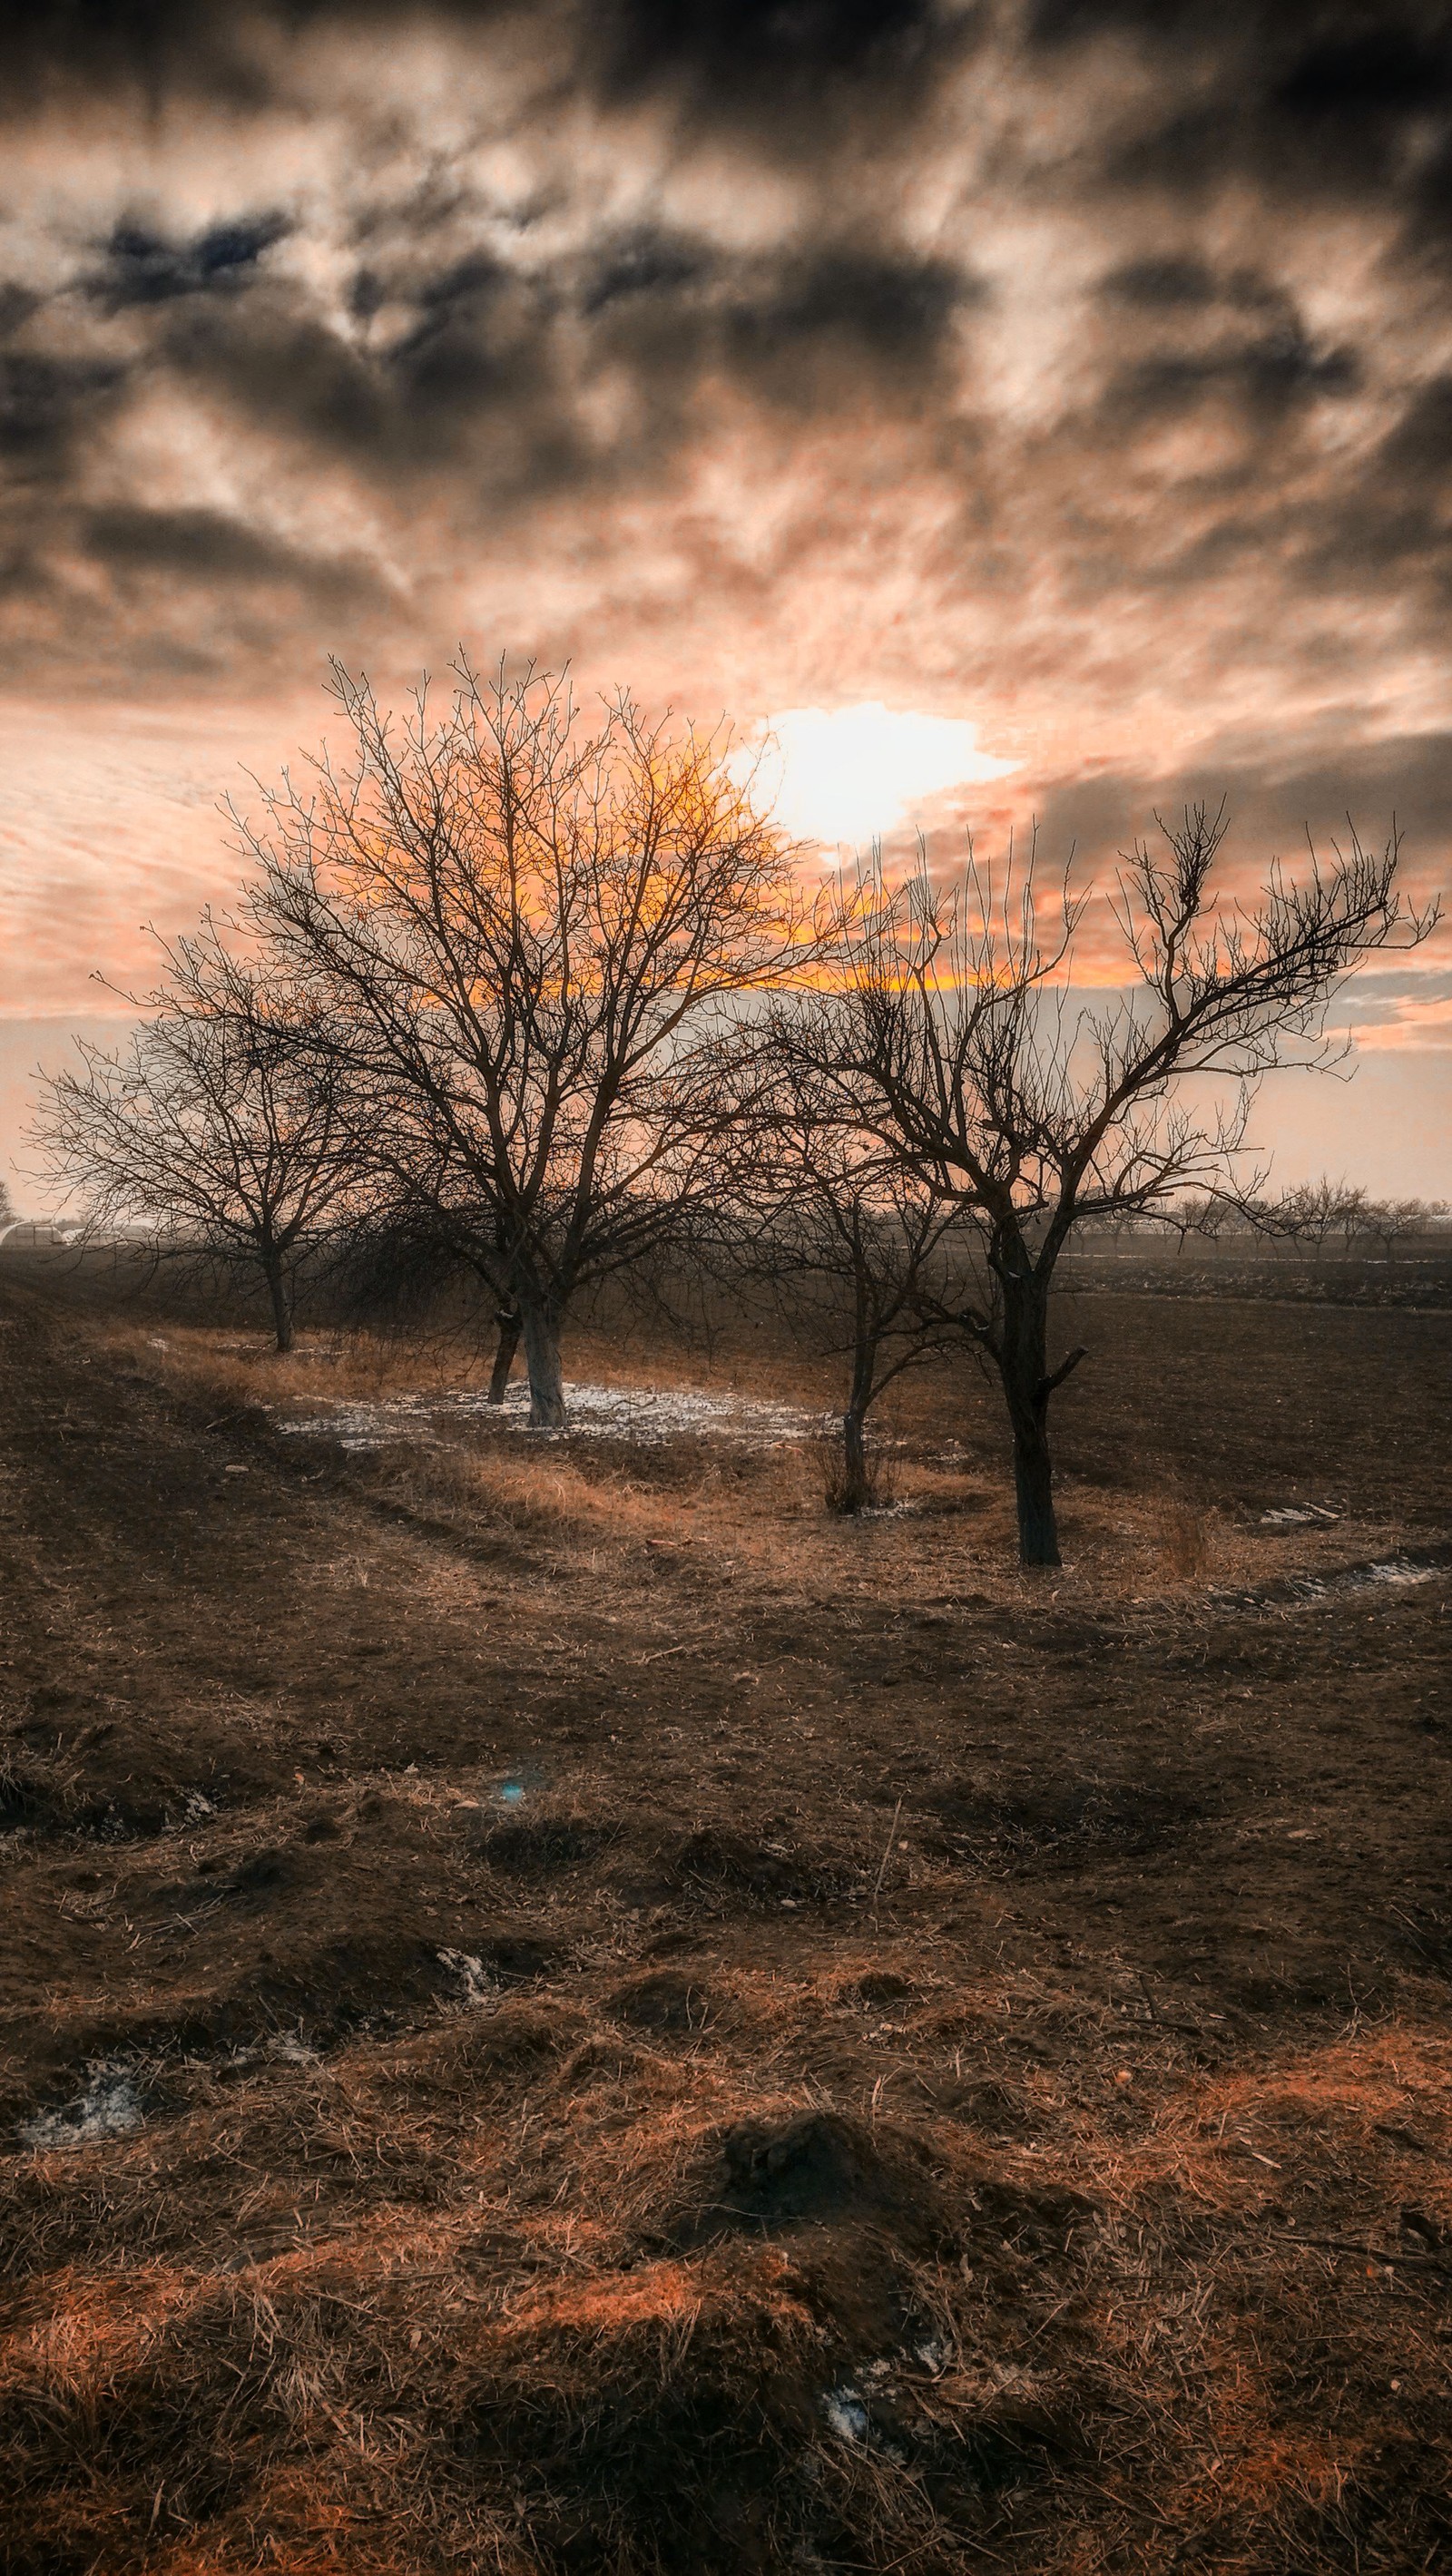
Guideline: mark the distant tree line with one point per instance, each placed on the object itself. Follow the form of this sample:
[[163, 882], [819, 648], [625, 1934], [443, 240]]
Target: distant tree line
[[1313, 1216], [525, 1004]]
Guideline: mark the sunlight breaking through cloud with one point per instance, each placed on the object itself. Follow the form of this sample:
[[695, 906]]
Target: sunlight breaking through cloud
[[851, 774]]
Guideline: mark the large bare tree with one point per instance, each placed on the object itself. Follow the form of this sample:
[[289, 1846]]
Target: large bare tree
[[519, 928], [954, 1037], [220, 1128]]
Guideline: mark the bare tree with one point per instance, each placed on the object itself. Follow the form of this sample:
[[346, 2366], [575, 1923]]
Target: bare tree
[[1311, 1212], [1393, 1221], [221, 1128], [518, 928], [846, 1237], [955, 1041]]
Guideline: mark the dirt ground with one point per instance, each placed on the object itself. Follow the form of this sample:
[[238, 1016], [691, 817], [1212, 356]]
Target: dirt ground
[[563, 2011]]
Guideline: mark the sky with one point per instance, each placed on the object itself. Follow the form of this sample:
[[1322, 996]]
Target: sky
[[1010, 408]]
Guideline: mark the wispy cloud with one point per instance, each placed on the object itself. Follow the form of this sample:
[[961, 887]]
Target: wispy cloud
[[1415, 1028]]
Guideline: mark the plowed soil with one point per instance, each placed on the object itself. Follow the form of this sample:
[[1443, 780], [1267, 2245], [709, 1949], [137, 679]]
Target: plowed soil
[[563, 2012]]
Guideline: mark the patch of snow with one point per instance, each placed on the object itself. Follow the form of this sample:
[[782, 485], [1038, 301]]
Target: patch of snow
[[1296, 1516], [292, 2048], [1364, 1578], [645, 1415], [108, 2108], [846, 2414], [1308, 1589], [472, 1974]]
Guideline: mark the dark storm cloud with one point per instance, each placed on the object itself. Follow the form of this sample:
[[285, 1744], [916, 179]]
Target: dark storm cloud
[[144, 267], [1282, 804], [1266, 374], [1159, 285], [482, 350], [645, 266], [795, 74], [766, 59], [831, 325], [231, 50], [1313, 99], [204, 546], [1274, 797], [892, 312], [49, 407], [1390, 519]]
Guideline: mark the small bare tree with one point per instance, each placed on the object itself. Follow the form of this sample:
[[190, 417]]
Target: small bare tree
[[221, 1128], [1393, 1221], [517, 929], [847, 1238], [955, 1041], [1311, 1212]]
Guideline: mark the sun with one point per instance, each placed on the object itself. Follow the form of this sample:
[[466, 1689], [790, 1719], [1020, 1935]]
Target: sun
[[853, 774]]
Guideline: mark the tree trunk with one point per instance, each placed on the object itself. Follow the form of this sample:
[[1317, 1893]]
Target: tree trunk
[[508, 1320], [1024, 1365], [856, 1488], [281, 1303], [541, 1331], [1033, 1478]]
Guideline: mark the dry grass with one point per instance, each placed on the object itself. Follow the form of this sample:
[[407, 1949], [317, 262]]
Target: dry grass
[[1104, 2343], [873, 2134]]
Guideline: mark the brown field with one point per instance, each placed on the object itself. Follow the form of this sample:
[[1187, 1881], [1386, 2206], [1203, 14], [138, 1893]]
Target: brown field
[[564, 2011]]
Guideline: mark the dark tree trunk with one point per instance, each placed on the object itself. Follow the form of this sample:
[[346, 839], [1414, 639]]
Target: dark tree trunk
[[1033, 1479], [281, 1302], [1026, 1384], [856, 1485], [508, 1319], [540, 1326]]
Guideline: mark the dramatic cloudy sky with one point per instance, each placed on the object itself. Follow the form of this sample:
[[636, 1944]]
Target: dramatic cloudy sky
[[1072, 378]]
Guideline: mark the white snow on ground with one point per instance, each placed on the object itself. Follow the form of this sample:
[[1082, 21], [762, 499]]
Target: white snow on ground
[[108, 2108], [1394, 1569], [1305, 1590], [646, 1415], [478, 1985], [846, 2414]]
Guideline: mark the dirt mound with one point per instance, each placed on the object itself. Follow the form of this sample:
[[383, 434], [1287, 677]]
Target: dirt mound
[[519, 1957], [809, 2167], [666, 2000], [717, 1857], [881, 1986], [822, 2165], [530, 1846], [74, 1767]]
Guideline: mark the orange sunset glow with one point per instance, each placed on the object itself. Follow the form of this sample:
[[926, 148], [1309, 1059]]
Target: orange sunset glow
[[1034, 410]]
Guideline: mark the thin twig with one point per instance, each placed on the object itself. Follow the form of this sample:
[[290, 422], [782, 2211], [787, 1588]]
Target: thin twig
[[886, 1857]]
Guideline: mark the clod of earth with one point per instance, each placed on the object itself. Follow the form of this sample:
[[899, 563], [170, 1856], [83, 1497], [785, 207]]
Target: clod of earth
[[663, 2001], [541, 1844]]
